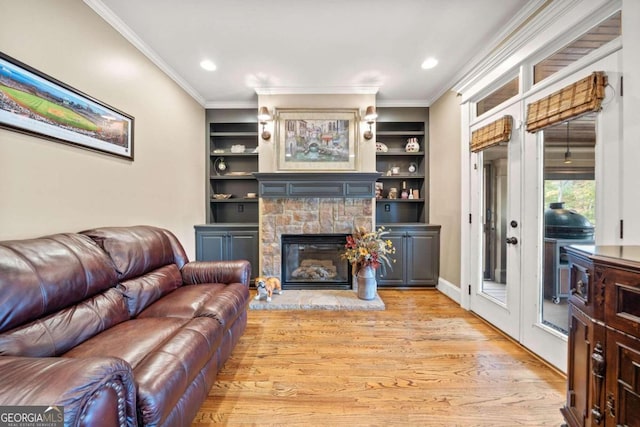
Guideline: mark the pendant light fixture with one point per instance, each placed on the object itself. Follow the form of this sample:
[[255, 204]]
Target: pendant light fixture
[[567, 154]]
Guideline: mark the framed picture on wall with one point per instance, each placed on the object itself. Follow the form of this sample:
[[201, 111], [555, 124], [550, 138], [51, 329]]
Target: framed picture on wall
[[317, 139], [35, 103]]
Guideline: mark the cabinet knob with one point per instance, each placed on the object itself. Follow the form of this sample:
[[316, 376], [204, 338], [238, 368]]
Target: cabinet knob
[[512, 240]]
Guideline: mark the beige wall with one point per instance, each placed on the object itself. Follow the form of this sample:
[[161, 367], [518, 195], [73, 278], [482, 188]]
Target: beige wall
[[444, 208], [47, 187]]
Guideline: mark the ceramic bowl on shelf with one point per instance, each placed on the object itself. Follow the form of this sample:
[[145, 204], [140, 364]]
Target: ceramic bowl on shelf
[[381, 147], [221, 196]]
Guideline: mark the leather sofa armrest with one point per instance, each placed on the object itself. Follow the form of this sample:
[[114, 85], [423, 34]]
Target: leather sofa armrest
[[93, 391], [238, 271]]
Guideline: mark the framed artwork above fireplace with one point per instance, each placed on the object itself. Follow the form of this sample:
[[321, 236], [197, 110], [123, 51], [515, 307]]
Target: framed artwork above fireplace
[[317, 139]]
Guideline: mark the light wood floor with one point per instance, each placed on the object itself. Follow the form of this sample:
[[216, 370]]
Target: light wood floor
[[423, 361]]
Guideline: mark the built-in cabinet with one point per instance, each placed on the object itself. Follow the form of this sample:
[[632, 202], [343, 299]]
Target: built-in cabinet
[[406, 168], [417, 257], [232, 213], [232, 159], [402, 168], [227, 242], [603, 375]]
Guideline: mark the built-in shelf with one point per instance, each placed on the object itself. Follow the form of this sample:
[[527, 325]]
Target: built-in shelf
[[399, 132], [234, 134], [394, 177], [399, 153], [236, 200], [232, 177], [231, 154], [400, 200]]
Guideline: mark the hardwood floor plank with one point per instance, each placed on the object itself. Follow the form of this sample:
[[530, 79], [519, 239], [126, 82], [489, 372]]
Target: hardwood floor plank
[[423, 361]]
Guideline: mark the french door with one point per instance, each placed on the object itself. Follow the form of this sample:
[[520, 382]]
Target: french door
[[505, 263], [495, 202]]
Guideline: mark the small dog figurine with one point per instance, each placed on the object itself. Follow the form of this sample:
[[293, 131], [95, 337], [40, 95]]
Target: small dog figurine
[[266, 287]]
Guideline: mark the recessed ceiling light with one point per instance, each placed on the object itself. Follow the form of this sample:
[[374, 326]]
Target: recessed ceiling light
[[429, 63], [208, 65]]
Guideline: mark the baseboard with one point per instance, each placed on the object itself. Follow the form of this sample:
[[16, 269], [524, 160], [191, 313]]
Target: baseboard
[[449, 289]]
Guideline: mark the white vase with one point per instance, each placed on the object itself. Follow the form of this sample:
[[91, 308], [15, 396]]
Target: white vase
[[367, 284]]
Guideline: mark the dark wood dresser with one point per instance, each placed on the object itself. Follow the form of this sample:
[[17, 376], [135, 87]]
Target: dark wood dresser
[[603, 374]]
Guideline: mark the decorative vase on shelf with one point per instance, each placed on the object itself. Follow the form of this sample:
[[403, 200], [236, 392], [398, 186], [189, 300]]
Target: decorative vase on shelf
[[367, 284], [413, 146]]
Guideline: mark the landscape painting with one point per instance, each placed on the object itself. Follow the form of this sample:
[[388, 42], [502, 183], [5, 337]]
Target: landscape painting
[[32, 102], [317, 139]]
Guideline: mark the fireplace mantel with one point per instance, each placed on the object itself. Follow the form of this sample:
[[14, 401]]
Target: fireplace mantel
[[317, 184]]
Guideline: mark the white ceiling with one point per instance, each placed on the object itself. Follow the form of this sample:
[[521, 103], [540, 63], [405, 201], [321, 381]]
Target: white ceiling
[[319, 46]]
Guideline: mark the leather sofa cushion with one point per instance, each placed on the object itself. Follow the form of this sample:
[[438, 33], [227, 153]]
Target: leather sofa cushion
[[144, 290], [61, 331], [41, 276], [139, 249], [216, 300], [169, 353]]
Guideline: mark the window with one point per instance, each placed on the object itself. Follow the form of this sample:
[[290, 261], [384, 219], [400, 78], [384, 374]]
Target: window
[[596, 37], [497, 97]]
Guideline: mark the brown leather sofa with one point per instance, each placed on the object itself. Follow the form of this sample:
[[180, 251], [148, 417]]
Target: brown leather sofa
[[116, 325]]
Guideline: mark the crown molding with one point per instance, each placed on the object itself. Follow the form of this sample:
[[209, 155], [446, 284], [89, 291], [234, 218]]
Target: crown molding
[[403, 103], [544, 22], [231, 104], [329, 90], [530, 21], [112, 19]]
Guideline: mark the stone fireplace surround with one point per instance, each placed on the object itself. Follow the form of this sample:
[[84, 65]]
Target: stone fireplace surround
[[311, 203]]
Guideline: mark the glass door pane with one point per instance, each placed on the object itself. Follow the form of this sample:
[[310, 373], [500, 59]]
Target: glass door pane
[[494, 235], [569, 209]]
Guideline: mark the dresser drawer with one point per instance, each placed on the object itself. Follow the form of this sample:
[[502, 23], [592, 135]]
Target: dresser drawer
[[622, 295], [583, 288]]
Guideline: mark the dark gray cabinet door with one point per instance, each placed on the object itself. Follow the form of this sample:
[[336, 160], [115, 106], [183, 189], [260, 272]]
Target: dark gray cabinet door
[[394, 276], [211, 246], [244, 245], [422, 261]]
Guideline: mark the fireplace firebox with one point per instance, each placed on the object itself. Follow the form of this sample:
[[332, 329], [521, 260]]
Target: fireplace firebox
[[313, 261]]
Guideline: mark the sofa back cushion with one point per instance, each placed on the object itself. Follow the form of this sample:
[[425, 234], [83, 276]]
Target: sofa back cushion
[[44, 275], [59, 332], [138, 249], [141, 291]]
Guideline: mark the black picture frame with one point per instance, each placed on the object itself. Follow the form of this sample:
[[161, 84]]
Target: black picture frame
[[35, 103]]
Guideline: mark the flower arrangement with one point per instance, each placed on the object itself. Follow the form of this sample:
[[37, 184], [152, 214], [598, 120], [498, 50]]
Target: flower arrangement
[[369, 249]]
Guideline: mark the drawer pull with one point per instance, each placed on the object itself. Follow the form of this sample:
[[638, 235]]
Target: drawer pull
[[597, 371]]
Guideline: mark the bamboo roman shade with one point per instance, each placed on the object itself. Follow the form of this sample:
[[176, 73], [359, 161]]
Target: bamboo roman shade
[[492, 134], [570, 102]]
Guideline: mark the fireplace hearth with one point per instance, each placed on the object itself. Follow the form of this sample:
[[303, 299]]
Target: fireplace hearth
[[313, 261]]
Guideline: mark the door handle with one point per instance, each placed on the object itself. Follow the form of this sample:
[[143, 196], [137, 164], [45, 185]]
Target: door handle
[[512, 240]]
